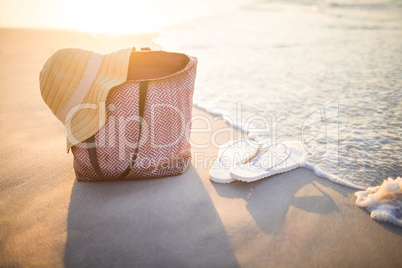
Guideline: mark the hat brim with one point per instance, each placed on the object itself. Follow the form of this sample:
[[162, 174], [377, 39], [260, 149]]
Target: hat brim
[[90, 115]]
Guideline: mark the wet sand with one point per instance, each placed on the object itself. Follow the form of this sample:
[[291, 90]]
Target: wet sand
[[49, 219]]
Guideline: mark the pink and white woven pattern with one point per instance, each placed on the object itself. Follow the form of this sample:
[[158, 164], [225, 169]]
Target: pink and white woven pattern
[[165, 137]]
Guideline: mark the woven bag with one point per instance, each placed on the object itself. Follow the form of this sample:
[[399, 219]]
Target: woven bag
[[147, 130]]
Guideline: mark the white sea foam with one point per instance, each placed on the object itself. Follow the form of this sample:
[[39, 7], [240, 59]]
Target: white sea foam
[[321, 173], [384, 202]]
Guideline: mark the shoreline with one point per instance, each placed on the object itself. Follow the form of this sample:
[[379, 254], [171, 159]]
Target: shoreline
[[316, 170], [50, 219]]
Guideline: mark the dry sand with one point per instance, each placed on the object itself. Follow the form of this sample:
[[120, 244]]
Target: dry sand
[[50, 220]]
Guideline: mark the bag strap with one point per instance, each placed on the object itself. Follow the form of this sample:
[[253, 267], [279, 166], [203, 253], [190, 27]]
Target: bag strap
[[91, 141]]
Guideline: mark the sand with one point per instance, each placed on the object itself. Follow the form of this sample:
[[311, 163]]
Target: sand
[[48, 219]]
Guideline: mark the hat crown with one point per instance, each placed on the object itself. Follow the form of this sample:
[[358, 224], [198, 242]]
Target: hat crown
[[61, 74], [73, 79]]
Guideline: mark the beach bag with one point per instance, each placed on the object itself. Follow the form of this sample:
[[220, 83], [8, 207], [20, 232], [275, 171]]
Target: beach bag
[[146, 131]]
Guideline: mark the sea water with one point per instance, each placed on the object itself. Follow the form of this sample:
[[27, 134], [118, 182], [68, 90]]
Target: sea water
[[328, 74]]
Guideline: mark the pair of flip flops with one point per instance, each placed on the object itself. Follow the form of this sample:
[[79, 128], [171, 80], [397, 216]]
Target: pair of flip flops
[[238, 160]]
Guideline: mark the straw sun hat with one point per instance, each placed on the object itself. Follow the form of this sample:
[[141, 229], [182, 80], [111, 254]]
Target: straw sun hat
[[75, 83]]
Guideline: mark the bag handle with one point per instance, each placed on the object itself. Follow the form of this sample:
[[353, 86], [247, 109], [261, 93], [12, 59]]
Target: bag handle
[[91, 141]]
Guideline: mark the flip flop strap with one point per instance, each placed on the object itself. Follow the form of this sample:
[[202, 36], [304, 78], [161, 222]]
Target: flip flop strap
[[223, 152], [258, 157]]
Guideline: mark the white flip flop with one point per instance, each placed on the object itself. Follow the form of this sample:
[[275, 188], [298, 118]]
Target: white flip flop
[[272, 160], [230, 154]]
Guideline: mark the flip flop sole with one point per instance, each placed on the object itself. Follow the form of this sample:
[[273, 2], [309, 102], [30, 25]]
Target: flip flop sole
[[230, 154], [250, 173]]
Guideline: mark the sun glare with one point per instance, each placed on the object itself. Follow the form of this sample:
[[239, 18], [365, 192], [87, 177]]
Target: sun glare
[[117, 16], [106, 16], [138, 16]]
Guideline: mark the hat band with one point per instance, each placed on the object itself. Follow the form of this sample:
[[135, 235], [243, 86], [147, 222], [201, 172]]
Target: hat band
[[87, 79]]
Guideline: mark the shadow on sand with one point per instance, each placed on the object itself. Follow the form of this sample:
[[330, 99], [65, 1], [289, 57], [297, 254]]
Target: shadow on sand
[[269, 200], [169, 222]]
